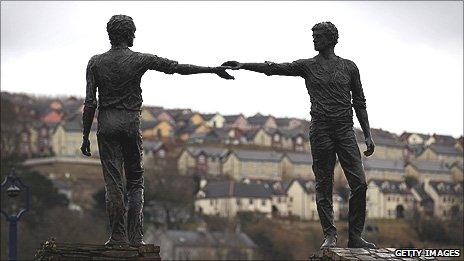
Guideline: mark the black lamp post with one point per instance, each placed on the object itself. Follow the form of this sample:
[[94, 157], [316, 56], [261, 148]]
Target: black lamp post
[[14, 187]]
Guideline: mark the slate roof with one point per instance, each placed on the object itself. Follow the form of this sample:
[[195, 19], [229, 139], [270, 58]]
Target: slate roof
[[251, 134], [258, 119], [445, 149], [274, 186], [391, 187], [228, 189], [300, 158], [381, 138], [424, 197], [293, 133], [447, 188], [431, 166], [283, 122], [189, 129], [258, 155], [148, 124], [184, 116], [229, 119], [444, 139], [209, 151], [383, 164], [208, 116], [176, 112]]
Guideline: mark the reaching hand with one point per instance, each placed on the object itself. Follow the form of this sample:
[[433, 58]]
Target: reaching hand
[[85, 148], [234, 65], [221, 72], [370, 147]]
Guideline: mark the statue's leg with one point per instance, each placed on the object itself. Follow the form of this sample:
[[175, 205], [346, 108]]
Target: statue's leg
[[133, 165], [323, 152], [111, 157], [351, 163]]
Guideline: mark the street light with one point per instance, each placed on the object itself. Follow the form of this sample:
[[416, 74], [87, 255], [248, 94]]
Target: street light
[[14, 186]]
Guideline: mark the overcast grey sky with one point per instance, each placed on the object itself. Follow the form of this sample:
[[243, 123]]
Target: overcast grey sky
[[410, 54]]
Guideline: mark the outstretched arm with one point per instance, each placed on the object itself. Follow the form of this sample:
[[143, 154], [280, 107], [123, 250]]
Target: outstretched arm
[[153, 62], [186, 69], [90, 105], [359, 104], [269, 68]]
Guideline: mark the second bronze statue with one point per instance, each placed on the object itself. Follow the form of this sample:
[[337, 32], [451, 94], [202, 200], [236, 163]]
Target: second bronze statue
[[334, 88]]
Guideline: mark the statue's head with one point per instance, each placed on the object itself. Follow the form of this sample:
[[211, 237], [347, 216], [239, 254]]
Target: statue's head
[[325, 35], [121, 29]]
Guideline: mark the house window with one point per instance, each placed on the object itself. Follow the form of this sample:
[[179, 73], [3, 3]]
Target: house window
[[201, 159], [210, 202], [276, 137], [24, 137], [388, 199], [239, 202], [299, 140], [444, 212], [279, 199], [291, 199], [389, 213], [263, 202], [250, 201], [444, 199]]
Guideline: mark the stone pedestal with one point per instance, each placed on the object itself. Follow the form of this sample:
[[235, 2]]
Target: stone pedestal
[[50, 250], [360, 254]]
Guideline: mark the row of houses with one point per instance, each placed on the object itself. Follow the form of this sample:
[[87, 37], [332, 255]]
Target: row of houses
[[297, 198], [61, 117], [273, 165]]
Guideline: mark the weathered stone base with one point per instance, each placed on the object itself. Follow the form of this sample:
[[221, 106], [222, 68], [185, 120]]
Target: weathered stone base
[[50, 250], [360, 254]]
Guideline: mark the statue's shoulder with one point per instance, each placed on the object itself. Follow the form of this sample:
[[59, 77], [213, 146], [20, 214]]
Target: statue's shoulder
[[348, 62]]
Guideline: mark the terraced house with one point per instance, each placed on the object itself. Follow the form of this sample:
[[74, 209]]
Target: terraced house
[[447, 198], [297, 165], [439, 152], [227, 198], [301, 200], [388, 199], [384, 169], [429, 170], [201, 160], [387, 145], [253, 164], [67, 138]]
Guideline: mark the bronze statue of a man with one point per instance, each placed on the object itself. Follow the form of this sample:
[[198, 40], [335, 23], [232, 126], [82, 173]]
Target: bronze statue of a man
[[334, 87], [117, 74]]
